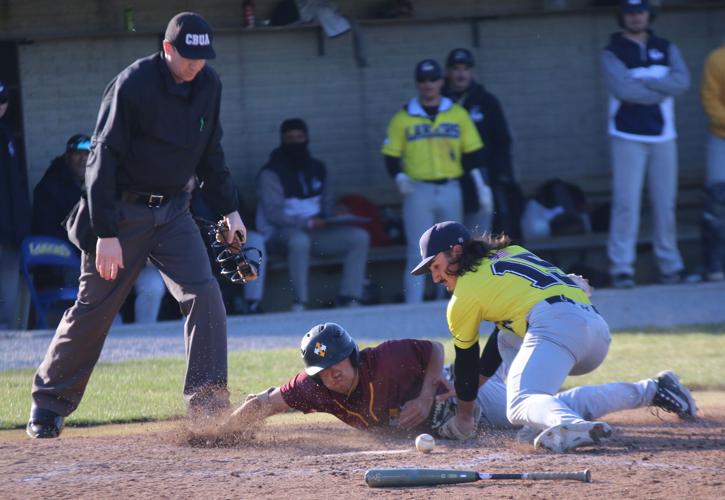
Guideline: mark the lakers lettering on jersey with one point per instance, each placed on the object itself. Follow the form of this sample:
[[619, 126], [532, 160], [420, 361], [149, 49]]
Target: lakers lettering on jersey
[[431, 149], [503, 289]]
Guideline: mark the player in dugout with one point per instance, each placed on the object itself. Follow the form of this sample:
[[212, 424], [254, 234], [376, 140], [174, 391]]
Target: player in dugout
[[402, 386]]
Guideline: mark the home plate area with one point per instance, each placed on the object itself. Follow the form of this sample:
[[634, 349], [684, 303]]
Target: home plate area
[[649, 456]]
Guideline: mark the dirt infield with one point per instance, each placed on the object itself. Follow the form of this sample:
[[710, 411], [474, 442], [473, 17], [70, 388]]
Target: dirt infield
[[649, 457]]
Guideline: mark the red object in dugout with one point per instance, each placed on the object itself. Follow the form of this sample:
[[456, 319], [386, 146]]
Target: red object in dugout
[[248, 12]]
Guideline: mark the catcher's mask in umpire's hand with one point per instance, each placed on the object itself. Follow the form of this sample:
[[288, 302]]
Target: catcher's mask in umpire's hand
[[325, 345], [239, 264]]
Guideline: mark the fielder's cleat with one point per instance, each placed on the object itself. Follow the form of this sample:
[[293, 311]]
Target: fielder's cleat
[[674, 397], [565, 437], [527, 434], [44, 424]]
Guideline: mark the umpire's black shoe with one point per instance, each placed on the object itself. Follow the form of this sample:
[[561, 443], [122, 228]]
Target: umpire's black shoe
[[674, 397], [44, 424]]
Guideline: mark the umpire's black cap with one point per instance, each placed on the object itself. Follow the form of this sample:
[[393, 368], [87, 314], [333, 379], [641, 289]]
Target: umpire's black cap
[[191, 35], [439, 238]]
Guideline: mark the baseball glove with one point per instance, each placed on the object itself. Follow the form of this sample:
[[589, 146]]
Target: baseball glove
[[443, 422], [239, 264]]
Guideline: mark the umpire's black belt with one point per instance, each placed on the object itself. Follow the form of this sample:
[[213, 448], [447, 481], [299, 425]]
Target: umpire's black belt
[[151, 200], [561, 298]]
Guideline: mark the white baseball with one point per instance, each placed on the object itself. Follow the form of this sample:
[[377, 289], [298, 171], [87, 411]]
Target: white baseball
[[425, 443]]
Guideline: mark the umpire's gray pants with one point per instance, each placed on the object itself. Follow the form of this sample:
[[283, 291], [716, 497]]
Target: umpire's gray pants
[[631, 160], [170, 238]]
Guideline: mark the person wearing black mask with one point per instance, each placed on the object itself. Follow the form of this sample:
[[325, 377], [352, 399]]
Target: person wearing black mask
[[295, 206]]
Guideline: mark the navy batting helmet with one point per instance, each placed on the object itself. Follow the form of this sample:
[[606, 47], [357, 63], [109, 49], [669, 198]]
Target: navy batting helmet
[[325, 345]]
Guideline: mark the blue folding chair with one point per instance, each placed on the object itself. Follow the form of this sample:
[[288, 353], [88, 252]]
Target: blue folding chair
[[50, 252]]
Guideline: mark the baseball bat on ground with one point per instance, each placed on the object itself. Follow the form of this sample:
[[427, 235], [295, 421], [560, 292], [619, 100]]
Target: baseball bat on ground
[[387, 478]]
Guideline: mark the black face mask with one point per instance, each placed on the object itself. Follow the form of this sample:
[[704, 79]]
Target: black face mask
[[297, 153]]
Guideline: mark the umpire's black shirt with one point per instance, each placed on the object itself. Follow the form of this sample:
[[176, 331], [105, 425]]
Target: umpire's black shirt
[[152, 135]]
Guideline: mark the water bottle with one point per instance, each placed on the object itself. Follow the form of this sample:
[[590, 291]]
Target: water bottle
[[248, 11]]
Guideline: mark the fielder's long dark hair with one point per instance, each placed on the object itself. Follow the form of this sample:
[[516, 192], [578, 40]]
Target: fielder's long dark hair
[[475, 250]]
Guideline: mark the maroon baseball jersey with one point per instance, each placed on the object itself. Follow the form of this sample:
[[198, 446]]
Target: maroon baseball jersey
[[390, 374]]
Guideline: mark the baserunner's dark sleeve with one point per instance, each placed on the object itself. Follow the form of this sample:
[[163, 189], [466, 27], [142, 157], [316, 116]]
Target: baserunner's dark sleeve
[[466, 372], [393, 165], [490, 357]]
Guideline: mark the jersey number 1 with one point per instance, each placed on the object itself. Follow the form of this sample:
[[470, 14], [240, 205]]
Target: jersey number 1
[[523, 267]]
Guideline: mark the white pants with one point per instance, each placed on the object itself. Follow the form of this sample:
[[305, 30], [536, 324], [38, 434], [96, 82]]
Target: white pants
[[590, 401], [631, 161], [429, 204], [562, 339]]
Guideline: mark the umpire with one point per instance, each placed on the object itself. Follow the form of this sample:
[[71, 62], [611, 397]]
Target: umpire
[[158, 131]]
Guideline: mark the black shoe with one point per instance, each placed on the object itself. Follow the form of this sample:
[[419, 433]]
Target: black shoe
[[623, 280], [44, 424], [678, 277], [674, 397]]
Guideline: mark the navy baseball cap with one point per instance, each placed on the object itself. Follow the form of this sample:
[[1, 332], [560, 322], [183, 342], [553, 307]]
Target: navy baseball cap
[[460, 56], [191, 35], [439, 238], [630, 6], [428, 69], [78, 142], [4, 93]]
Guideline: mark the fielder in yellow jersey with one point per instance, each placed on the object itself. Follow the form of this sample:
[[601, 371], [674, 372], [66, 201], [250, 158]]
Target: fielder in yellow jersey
[[547, 330], [503, 289]]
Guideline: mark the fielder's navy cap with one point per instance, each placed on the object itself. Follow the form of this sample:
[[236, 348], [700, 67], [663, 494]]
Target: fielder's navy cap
[[630, 6], [439, 238], [4, 93], [78, 142], [428, 69], [460, 56], [191, 35]]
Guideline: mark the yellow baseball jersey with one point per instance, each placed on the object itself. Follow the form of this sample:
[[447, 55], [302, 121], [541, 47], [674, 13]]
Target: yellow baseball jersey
[[503, 289], [431, 150]]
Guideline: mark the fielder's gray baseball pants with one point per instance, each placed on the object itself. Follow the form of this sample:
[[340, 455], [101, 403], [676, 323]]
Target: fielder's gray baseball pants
[[170, 238], [562, 339]]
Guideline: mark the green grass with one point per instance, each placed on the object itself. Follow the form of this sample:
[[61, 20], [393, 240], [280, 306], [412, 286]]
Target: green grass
[[150, 389]]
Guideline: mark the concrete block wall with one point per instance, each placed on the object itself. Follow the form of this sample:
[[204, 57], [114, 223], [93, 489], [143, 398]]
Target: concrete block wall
[[544, 69]]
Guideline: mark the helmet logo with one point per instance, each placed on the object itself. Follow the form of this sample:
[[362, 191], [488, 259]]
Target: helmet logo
[[320, 349]]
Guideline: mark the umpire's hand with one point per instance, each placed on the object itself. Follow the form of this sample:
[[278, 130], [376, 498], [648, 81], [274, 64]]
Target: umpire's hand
[[236, 226], [109, 258]]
